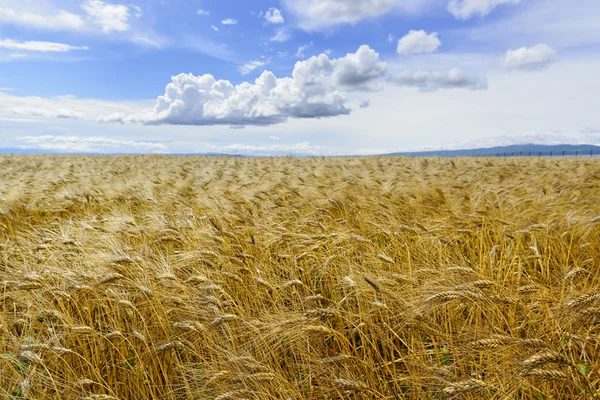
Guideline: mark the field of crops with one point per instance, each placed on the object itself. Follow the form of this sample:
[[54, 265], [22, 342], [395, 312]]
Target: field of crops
[[156, 277]]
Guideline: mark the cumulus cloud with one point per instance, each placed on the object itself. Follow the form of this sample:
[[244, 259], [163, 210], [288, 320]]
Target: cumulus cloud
[[109, 17], [418, 42], [431, 81], [38, 46], [465, 9], [319, 87], [251, 66], [273, 16], [229, 21], [321, 14], [86, 144], [60, 20], [530, 58]]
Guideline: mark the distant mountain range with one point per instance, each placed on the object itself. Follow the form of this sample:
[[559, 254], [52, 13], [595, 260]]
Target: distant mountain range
[[536, 150], [512, 150]]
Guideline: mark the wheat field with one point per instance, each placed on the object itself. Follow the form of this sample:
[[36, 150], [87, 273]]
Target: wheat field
[[158, 277]]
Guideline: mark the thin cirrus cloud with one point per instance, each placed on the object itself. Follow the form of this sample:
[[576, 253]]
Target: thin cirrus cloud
[[301, 49], [39, 46], [59, 20], [83, 144], [418, 42], [466, 9], [251, 66], [58, 112], [319, 87], [96, 14], [430, 81], [229, 21], [532, 58], [281, 35]]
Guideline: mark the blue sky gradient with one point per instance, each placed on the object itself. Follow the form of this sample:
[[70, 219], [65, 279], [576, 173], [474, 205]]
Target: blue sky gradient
[[345, 76]]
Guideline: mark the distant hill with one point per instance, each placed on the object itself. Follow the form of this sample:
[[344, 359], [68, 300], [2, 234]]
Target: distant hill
[[513, 150], [499, 151]]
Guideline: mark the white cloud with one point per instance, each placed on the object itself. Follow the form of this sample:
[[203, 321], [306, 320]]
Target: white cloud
[[539, 21], [269, 149], [530, 58], [214, 28], [251, 66], [273, 16], [46, 112], [85, 144], [390, 38], [322, 14], [38, 46], [202, 12], [300, 52], [12, 57], [64, 107], [318, 88], [281, 35], [465, 9], [109, 17], [138, 12], [60, 20], [432, 81], [418, 42], [274, 137], [229, 21]]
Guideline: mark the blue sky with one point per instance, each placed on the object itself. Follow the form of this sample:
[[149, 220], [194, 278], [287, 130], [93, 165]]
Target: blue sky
[[297, 76]]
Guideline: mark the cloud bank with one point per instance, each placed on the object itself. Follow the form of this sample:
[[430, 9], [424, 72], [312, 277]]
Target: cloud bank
[[431, 81], [319, 87]]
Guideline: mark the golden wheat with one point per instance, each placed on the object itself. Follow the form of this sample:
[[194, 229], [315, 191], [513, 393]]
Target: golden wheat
[[157, 277]]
